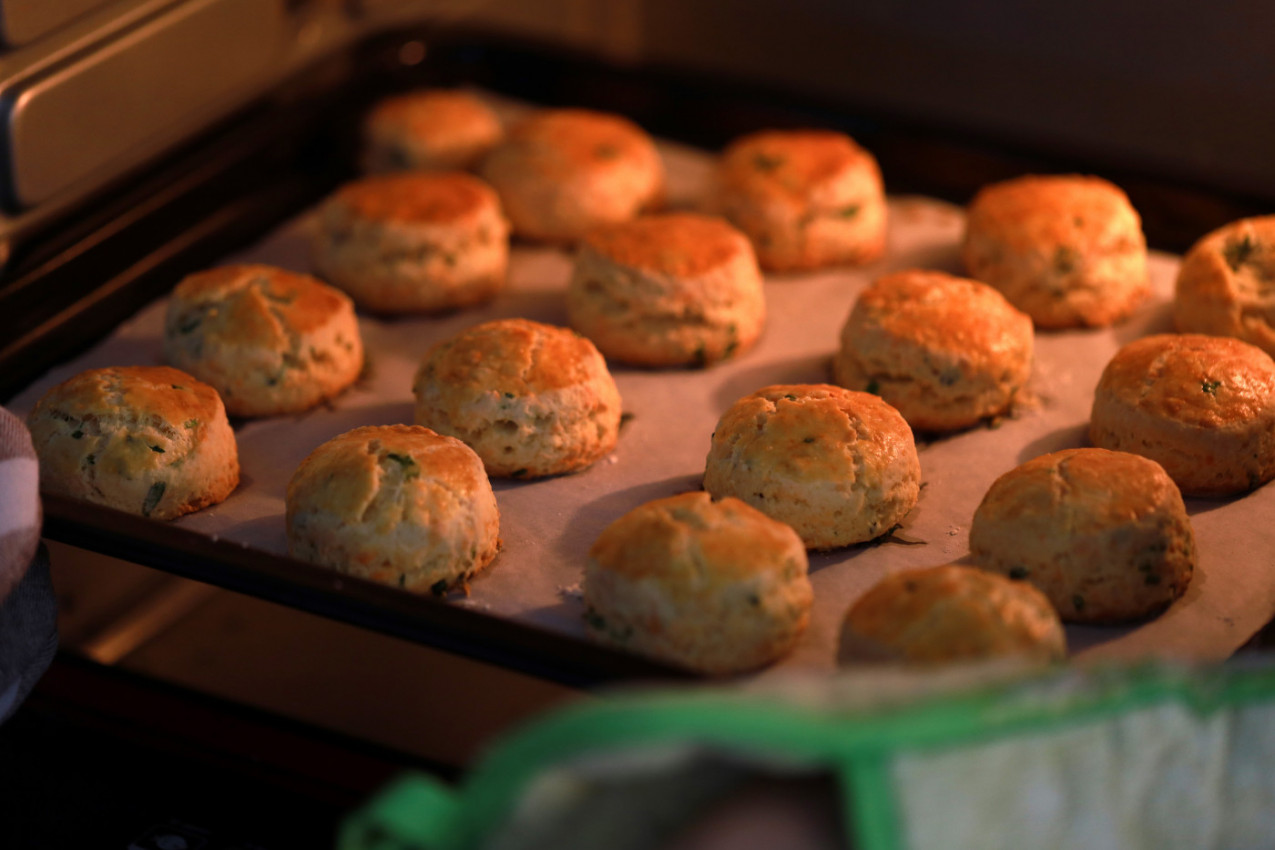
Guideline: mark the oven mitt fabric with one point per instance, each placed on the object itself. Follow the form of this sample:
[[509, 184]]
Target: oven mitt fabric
[[28, 612], [1152, 756]]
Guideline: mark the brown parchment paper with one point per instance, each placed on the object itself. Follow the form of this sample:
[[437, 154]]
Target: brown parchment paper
[[548, 525]]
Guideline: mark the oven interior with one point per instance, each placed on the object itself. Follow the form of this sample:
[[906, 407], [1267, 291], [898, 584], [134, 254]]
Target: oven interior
[[254, 687]]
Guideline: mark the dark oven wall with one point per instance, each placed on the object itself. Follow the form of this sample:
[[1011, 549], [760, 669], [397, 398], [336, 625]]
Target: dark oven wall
[[1174, 86]]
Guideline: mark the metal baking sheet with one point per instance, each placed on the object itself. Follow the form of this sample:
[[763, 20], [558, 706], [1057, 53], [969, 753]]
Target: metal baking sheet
[[548, 525]]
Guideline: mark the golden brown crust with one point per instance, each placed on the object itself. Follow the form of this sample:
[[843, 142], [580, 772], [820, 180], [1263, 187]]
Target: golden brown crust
[[1202, 407], [715, 586], [795, 165], [397, 504], [945, 351], [531, 399], [562, 172], [515, 356], [557, 142], [678, 244], [669, 290], [270, 341], [806, 198], [150, 440], [950, 613], [1068, 250], [413, 242], [839, 466], [434, 129], [1104, 534], [443, 198], [1226, 284]]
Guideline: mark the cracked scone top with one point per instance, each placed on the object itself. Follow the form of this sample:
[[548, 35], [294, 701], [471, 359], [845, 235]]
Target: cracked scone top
[[150, 440], [947, 614], [806, 198], [531, 399], [667, 290], [270, 341], [1067, 250], [1226, 284], [413, 242], [1104, 534], [1203, 407], [945, 351], [839, 466], [716, 586], [397, 504]]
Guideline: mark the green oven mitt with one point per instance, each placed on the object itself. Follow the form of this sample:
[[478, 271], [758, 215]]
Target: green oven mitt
[[1152, 756]]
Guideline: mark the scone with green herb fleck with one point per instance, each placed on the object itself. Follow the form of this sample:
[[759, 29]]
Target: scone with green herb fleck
[[1067, 250], [949, 614], [430, 130], [150, 440], [806, 198], [667, 290], [268, 340], [715, 586], [1226, 284], [562, 172], [837, 465], [944, 351], [396, 504], [1104, 534], [413, 242], [1203, 407], [531, 399]]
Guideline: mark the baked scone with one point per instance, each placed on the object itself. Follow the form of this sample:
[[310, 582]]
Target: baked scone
[[949, 614], [715, 586], [944, 351], [413, 241], [268, 340], [429, 130], [1226, 284], [149, 440], [1203, 407], [562, 172], [839, 466], [667, 290], [1067, 250], [397, 504], [806, 198], [1103, 534], [531, 399]]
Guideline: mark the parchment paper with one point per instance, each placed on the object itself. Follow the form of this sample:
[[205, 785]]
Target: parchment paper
[[548, 525]]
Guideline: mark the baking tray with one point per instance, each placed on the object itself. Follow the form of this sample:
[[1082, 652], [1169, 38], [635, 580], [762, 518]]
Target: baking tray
[[525, 614]]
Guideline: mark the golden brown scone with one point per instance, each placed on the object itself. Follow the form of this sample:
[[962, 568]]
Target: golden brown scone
[[667, 290], [1103, 534], [944, 351], [531, 399], [947, 614], [1203, 407], [562, 172], [1067, 250], [806, 198], [397, 504], [839, 466], [431, 130], [714, 586], [268, 340], [149, 440], [413, 241], [1226, 284]]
